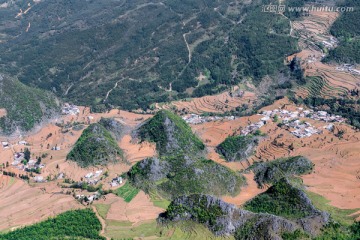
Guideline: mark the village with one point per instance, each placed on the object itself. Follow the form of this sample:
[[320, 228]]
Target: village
[[69, 109], [291, 121], [197, 119], [348, 68]]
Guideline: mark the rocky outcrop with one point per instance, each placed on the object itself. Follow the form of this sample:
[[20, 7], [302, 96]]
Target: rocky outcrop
[[178, 175], [226, 219], [237, 148], [270, 172], [114, 127]]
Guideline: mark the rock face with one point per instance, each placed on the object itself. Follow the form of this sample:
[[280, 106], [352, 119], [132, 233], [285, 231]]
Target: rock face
[[226, 219], [95, 146], [114, 127], [270, 172], [237, 148]]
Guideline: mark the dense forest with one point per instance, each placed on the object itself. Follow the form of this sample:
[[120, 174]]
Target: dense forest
[[77, 224]]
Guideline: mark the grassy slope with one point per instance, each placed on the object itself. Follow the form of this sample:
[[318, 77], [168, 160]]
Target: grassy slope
[[180, 231], [95, 146], [341, 216], [102, 209]]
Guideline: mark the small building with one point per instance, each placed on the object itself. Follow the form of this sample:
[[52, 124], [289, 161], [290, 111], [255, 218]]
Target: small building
[[39, 179], [22, 143], [89, 175]]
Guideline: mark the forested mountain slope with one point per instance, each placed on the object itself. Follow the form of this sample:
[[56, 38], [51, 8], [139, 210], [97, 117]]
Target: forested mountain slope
[[24, 106], [152, 49]]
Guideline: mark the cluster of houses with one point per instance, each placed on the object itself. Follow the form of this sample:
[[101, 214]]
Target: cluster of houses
[[330, 43], [348, 68], [287, 116], [88, 199], [301, 128], [254, 127], [93, 178], [6, 145], [70, 109], [197, 119], [290, 120], [30, 165]]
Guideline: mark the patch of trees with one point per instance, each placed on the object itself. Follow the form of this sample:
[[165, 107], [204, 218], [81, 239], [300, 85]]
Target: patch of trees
[[76, 224]]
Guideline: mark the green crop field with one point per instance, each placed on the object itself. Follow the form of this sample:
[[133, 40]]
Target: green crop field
[[127, 192]]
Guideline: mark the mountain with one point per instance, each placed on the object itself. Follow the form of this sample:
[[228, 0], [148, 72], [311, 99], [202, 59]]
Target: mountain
[[181, 167], [25, 106], [96, 146], [112, 51], [171, 134]]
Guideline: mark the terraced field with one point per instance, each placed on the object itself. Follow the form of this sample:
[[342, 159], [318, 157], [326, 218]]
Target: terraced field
[[323, 80], [211, 104]]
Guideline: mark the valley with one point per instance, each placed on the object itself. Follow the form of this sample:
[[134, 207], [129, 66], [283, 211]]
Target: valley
[[192, 161]]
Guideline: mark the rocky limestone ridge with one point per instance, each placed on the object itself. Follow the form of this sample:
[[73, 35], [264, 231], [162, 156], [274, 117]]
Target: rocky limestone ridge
[[226, 219]]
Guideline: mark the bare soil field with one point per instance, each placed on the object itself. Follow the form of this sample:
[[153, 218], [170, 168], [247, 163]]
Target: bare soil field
[[248, 192], [21, 204], [139, 209], [2, 112], [135, 151], [32, 204]]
